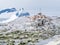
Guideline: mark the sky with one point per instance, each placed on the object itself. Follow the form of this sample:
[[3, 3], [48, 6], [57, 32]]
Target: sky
[[48, 7]]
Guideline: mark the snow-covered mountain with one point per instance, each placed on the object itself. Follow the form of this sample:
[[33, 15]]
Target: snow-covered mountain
[[7, 10], [29, 22], [20, 25], [43, 27], [8, 15]]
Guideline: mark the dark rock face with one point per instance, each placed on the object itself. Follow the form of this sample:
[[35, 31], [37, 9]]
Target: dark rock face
[[41, 22], [22, 14], [7, 10]]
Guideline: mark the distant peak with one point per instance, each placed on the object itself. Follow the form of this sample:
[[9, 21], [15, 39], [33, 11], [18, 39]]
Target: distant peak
[[7, 10]]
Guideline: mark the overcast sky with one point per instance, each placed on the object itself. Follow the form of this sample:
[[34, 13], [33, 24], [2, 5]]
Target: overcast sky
[[50, 6]]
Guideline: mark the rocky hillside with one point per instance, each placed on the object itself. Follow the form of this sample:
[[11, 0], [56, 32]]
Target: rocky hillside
[[31, 22], [29, 30]]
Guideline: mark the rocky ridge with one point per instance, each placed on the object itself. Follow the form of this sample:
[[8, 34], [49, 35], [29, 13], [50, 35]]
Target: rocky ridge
[[30, 29]]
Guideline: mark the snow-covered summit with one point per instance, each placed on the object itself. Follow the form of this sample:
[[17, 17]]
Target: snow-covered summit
[[8, 15], [7, 10]]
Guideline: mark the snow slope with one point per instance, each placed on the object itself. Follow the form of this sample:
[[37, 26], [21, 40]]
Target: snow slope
[[11, 14]]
